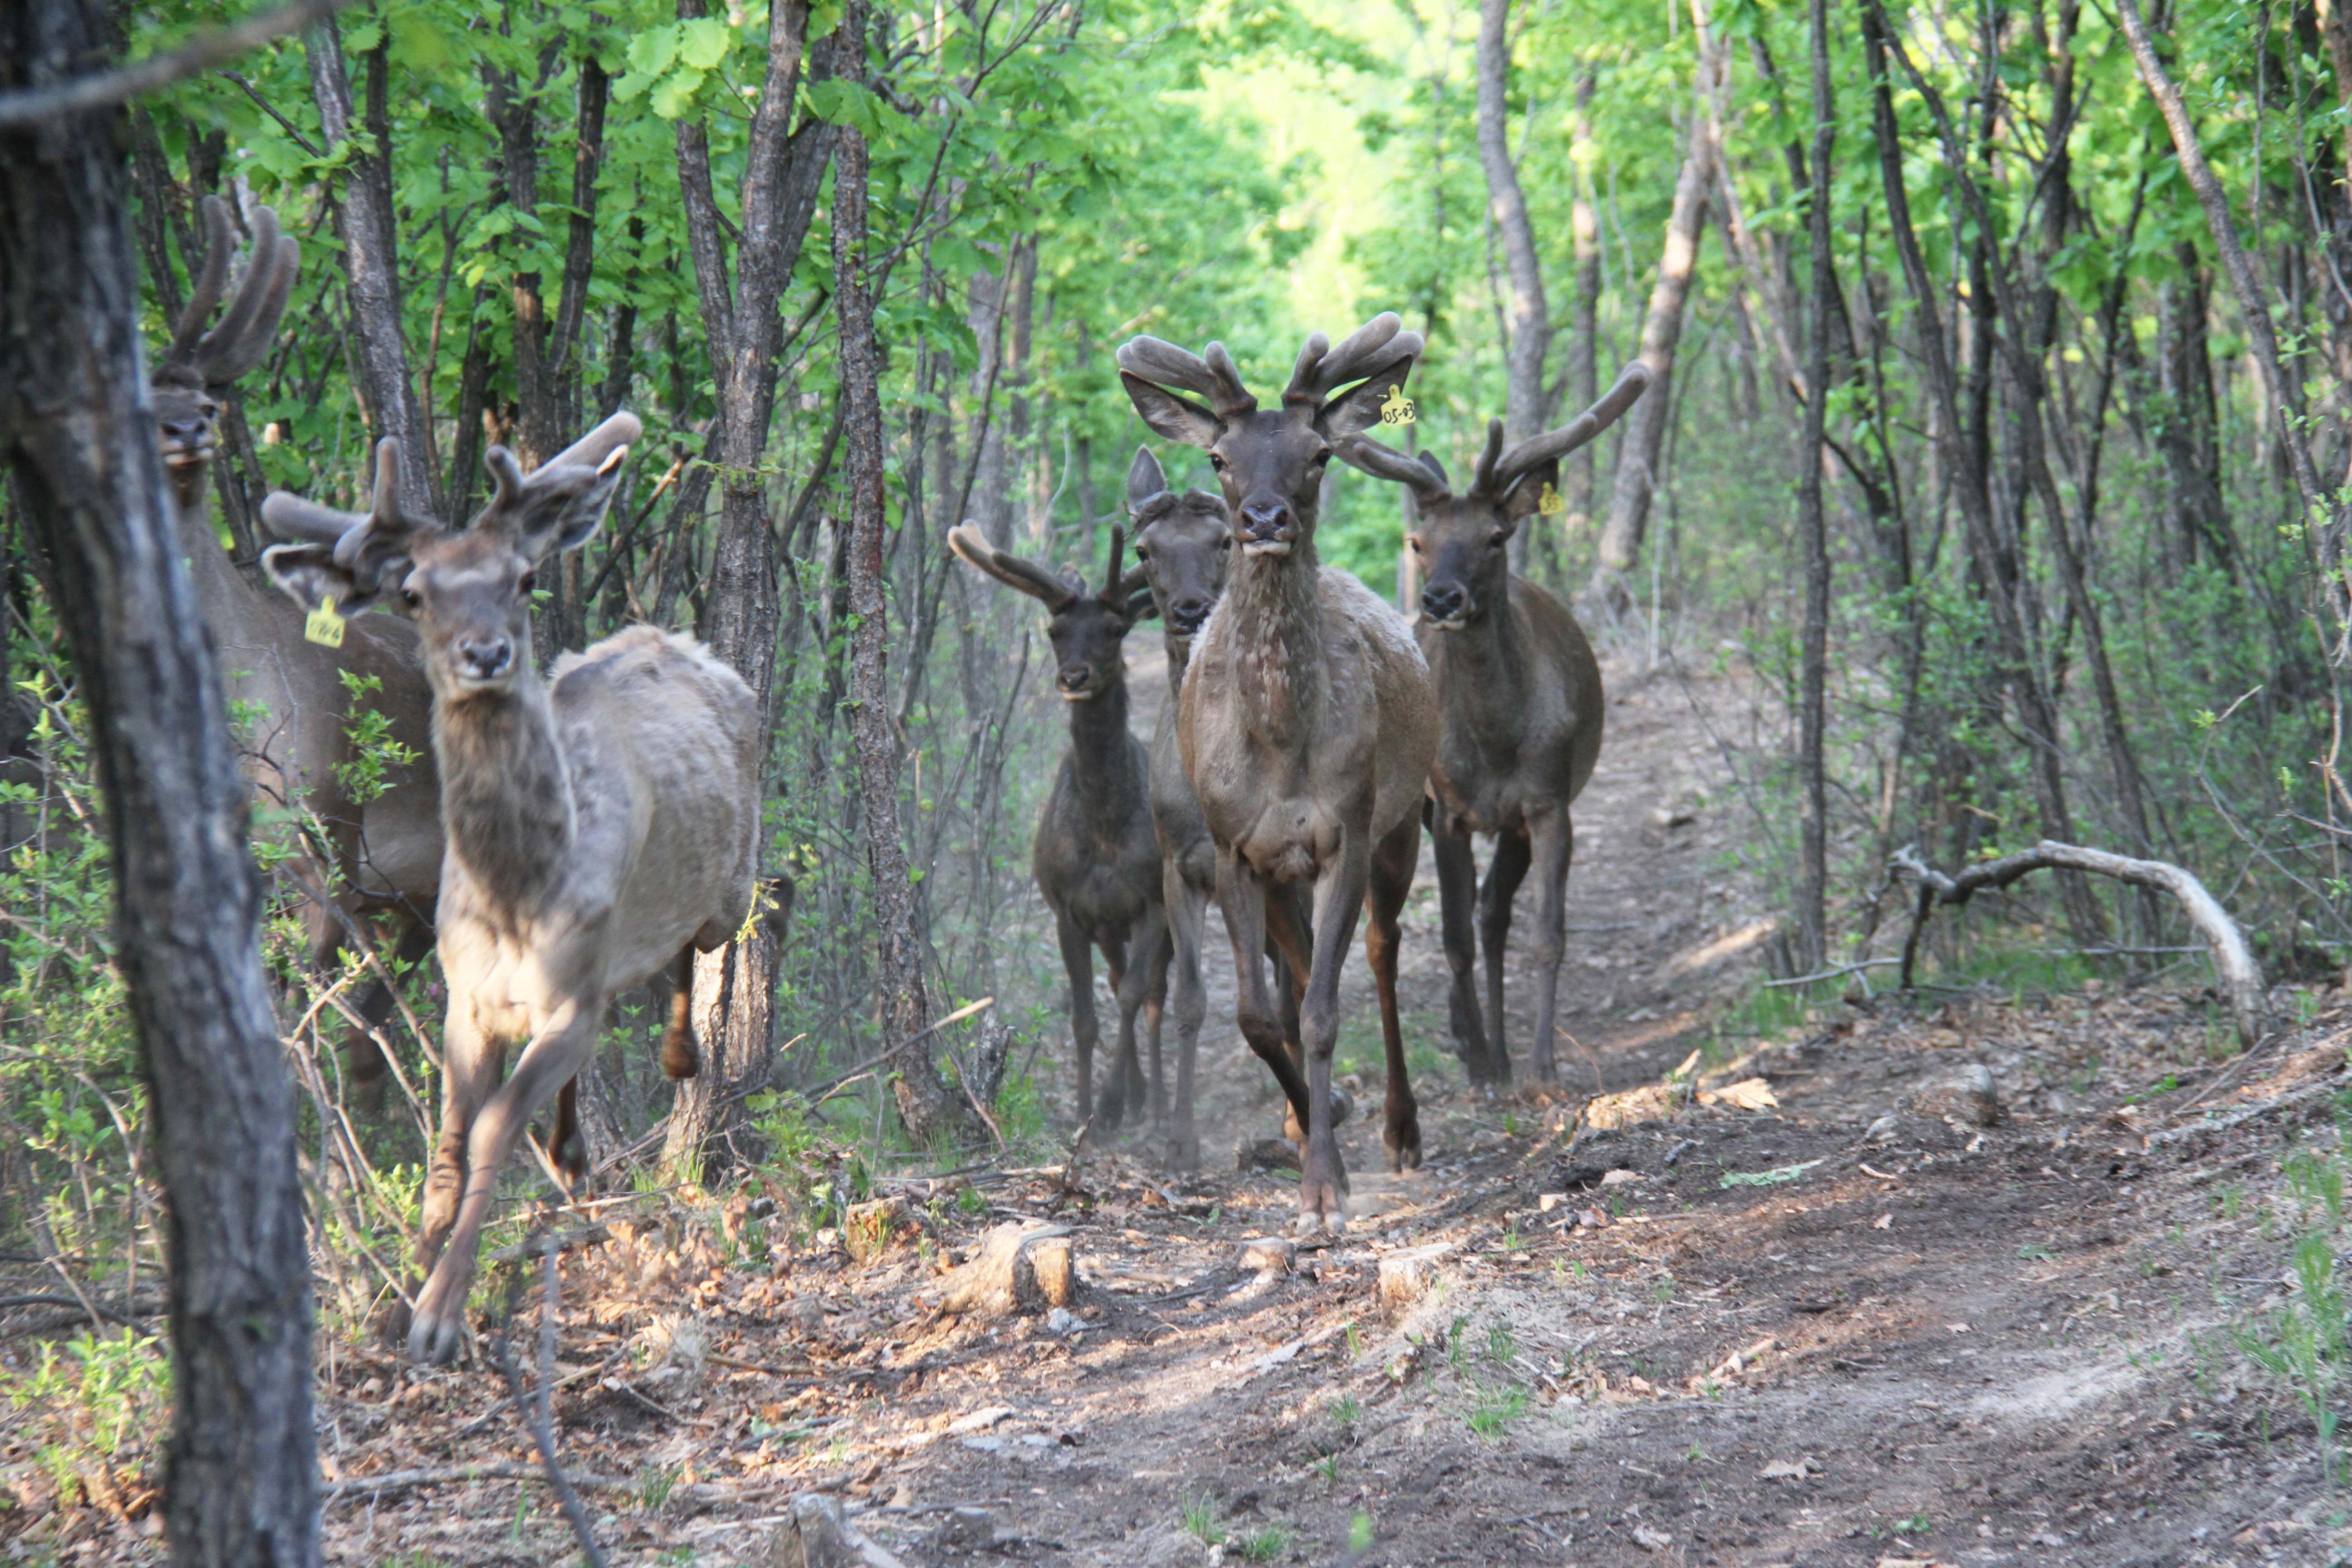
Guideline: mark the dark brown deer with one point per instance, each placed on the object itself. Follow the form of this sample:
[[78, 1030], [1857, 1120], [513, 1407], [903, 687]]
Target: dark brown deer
[[601, 825], [382, 856], [1183, 543], [1094, 857], [1521, 695], [1308, 722]]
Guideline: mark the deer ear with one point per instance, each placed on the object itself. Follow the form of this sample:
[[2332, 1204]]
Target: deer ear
[[1144, 478], [1357, 410], [1172, 417], [1527, 492], [307, 574], [560, 506]]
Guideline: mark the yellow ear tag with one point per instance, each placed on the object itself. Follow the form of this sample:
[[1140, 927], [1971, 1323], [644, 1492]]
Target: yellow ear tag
[[1549, 503], [1398, 409], [324, 627]]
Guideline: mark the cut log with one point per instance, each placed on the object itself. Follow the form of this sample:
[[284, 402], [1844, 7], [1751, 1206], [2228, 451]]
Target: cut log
[[1018, 1270], [2234, 961]]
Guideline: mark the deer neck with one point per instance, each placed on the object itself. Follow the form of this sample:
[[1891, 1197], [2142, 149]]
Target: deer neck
[[1178, 649], [506, 787], [1098, 753], [1275, 638], [220, 590], [1482, 664]]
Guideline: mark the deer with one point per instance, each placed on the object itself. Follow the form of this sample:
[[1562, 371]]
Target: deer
[[602, 823], [1521, 693], [1306, 719], [1182, 545], [1095, 857], [382, 856]]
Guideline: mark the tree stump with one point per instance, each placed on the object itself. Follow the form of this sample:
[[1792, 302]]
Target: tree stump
[[1017, 1270]]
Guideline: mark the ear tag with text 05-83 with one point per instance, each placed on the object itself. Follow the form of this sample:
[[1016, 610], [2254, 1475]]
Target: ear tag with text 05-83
[[1398, 409], [324, 627], [1550, 503]]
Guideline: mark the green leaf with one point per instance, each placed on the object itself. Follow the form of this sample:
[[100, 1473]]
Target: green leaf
[[703, 42], [670, 99]]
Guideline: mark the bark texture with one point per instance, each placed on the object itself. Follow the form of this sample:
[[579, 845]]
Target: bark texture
[[1813, 870], [1527, 316], [241, 1470]]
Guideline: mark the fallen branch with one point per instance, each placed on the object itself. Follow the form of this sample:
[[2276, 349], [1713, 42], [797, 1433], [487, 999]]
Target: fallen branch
[[538, 1410], [452, 1475], [2234, 961]]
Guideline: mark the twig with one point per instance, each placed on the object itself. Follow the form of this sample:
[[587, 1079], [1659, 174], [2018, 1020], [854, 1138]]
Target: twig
[[538, 1410], [403, 1480], [202, 53], [1833, 971]]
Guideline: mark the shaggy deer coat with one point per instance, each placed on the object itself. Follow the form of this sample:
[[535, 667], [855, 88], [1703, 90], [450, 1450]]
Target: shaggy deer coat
[[1094, 857], [1520, 692], [599, 823], [1307, 718]]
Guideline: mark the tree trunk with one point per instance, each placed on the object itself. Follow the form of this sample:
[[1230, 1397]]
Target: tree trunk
[[1584, 345], [1528, 319], [241, 1469], [1812, 872], [371, 262], [1645, 425], [782, 169], [929, 1109]]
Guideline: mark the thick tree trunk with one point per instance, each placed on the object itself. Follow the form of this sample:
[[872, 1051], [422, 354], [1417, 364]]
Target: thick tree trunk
[[371, 262], [1813, 870], [1646, 427], [784, 168], [930, 1110], [1527, 318], [241, 1470]]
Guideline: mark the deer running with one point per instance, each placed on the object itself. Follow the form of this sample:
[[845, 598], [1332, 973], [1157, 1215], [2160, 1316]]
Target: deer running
[[602, 825], [382, 856], [1520, 693], [1094, 857], [1307, 719]]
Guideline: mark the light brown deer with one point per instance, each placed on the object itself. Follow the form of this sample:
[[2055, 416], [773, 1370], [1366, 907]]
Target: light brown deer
[[382, 856], [600, 825], [1521, 695], [1094, 857], [1183, 545], [1308, 722]]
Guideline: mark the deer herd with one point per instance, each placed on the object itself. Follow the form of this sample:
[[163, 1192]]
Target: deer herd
[[563, 837]]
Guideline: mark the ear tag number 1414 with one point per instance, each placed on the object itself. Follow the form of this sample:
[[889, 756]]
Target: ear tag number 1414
[[1398, 408], [324, 627]]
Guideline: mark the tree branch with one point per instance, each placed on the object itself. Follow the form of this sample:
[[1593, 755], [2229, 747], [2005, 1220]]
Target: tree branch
[[201, 54]]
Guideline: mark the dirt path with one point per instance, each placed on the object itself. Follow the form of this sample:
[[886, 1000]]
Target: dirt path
[[1821, 1333]]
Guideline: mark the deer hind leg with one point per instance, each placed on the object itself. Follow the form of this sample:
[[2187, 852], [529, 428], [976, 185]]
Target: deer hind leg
[[1085, 1029], [1243, 897], [1123, 1093], [1509, 869], [1188, 1006], [1457, 894], [555, 1056], [1155, 1010], [1392, 880], [1290, 944], [569, 1147], [363, 1061], [1554, 839], [470, 1064], [679, 1056]]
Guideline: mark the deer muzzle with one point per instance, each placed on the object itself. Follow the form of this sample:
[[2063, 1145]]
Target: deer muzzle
[[1189, 613], [186, 442], [1268, 528], [1075, 683], [1446, 605], [484, 659]]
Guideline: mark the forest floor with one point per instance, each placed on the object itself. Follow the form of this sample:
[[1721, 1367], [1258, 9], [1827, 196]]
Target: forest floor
[[1852, 1327]]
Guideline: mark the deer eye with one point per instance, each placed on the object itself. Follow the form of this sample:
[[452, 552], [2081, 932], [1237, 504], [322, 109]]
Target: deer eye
[[530, 582], [412, 598], [1217, 462], [1227, 543], [1142, 555], [1495, 541], [1416, 550]]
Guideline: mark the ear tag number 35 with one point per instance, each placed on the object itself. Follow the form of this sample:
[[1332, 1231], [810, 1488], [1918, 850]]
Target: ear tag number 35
[[324, 627], [1398, 409], [1550, 503]]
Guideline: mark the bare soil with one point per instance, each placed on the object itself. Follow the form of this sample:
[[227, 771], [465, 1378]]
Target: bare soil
[[1841, 1329]]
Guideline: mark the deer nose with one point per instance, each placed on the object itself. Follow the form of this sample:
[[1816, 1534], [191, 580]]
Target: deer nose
[[1075, 680], [1265, 524], [1444, 602], [184, 432], [485, 657], [1189, 611]]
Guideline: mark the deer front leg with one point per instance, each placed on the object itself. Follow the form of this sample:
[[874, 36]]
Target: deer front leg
[[563, 1045], [1339, 890], [1241, 896], [1458, 893], [1392, 880], [1123, 1091], [470, 1062], [1086, 1031], [1504, 875], [1188, 1006], [1554, 838], [1155, 1008]]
